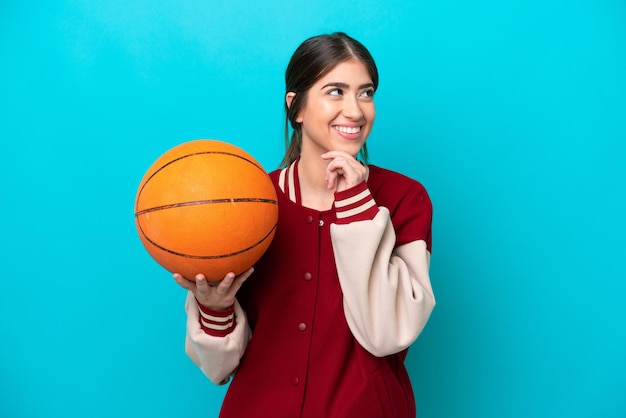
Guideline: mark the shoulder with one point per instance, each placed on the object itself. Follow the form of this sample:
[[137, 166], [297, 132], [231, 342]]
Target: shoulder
[[275, 176], [275, 173], [389, 186], [408, 203], [384, 175]]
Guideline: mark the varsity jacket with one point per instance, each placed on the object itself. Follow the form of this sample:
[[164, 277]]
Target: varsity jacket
[[322, 327]]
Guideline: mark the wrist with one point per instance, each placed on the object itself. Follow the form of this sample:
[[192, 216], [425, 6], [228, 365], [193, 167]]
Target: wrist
[[355, 204], [216, 322]]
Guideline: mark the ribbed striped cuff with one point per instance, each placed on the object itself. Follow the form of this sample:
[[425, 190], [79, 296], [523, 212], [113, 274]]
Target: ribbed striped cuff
[[355, 204], [217, 323]]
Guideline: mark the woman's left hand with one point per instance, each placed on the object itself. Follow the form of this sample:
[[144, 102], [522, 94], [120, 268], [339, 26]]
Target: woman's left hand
[[344, 171]]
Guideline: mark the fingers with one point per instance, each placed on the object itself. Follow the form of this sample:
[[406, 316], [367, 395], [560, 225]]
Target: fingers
[[203, 288], [343, 171], [215, 295], [223, 286], [334, 154], [239, 280], [184, 283], [331, 179], [231, 283]]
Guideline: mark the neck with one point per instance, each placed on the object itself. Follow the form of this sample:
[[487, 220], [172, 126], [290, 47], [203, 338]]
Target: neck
[[313, 190]]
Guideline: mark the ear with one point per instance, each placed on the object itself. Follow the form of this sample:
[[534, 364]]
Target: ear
[[289, 98]]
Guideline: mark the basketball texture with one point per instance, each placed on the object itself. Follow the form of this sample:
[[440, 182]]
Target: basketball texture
[[207, 207]]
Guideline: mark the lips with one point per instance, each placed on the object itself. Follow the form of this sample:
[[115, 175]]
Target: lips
[[350, 130]]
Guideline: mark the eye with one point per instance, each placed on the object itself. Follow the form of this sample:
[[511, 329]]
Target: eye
[[335, 92], [368, 94]]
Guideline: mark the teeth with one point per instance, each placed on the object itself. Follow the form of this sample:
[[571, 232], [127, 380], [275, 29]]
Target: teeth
[[348, 130]]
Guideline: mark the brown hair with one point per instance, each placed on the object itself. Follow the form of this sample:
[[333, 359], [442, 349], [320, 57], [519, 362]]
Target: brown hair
[[313, 59]]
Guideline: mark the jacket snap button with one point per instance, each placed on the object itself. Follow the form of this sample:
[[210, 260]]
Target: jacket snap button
[[301, 326], [308, 276], [295, 381], [309, 219]]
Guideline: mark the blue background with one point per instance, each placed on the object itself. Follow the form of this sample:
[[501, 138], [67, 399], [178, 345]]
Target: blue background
[[512, 114]]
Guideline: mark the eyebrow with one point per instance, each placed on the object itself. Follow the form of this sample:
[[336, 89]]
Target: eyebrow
[[345, 86]]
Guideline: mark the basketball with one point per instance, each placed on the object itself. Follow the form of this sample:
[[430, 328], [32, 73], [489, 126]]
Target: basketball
[[206, 206]]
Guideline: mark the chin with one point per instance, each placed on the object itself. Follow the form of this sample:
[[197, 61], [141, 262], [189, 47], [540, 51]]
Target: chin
[[354, 151]]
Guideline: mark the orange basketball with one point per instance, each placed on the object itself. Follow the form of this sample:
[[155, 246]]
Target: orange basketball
[[208, 207]]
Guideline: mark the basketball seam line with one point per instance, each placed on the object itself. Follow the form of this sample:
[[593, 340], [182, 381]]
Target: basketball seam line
[[194, 154], [207, 202], [209, 257]]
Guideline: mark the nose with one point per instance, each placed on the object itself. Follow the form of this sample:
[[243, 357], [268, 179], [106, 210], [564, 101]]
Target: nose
[[352, 108]]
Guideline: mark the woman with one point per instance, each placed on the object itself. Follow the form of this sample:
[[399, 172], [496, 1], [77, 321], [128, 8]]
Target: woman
[[323, 327]]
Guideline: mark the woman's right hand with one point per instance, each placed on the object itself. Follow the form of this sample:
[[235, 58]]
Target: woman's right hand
[[217, 296]]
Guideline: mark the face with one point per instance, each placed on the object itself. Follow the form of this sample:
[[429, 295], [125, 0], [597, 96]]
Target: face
[[339, 111]]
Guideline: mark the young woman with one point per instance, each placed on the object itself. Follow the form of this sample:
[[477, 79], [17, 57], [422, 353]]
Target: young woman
[[323, 327]]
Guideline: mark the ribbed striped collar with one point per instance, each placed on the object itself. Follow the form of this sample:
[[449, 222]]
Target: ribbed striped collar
[[289, 182]]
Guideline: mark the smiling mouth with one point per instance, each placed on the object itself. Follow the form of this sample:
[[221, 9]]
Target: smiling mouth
[[348, 129]]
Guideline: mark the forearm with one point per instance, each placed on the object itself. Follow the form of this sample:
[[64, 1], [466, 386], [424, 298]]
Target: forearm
[[215, 345], [387, 292]]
